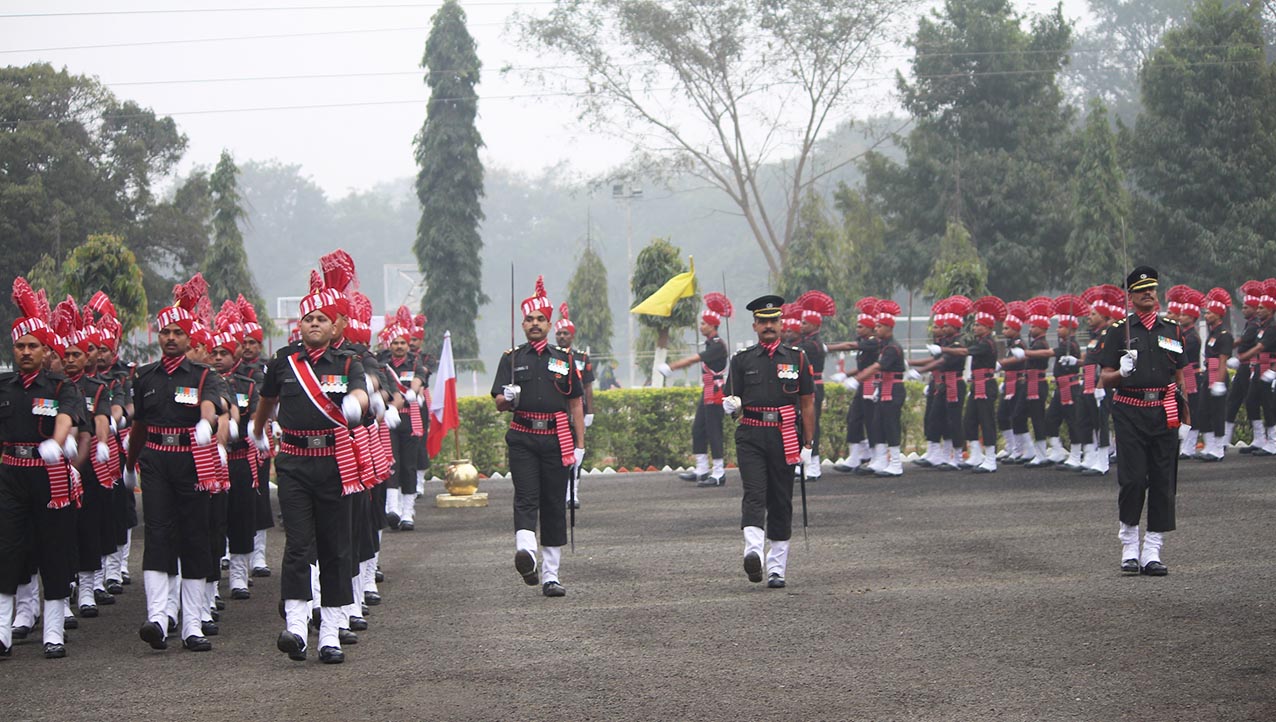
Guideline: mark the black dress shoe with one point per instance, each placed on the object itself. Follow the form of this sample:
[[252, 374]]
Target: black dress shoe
[[88, 611], [378, 576], [103, 597], [406, 525], [209, 629], [863, 470], [70, 623], [114, 586], [261, 571], [392, 520], [573, 504], [54, 651], [346, 636], [372, 599], [844, 468], [692, 476], [1130, 566], [717, 481], [363, 609], [1155, 569], [358, 624], [553, 589], [215, 615], [172, 625], [196, 643], [153, 634], [525, 564], [292, 645], [5, 651], [240, 593], [922, 462], [125, 578], [775, 581], [219, 603], [753, 566], [331, 655], [1247, 449], [21, 631]]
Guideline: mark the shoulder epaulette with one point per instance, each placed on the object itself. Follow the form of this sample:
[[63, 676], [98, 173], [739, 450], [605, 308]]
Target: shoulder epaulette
[[147, 368]]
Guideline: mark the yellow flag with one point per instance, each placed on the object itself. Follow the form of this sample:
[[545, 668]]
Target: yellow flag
[[662, 301]]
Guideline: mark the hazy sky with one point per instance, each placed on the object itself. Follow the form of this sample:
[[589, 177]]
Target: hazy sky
[[241, 91]]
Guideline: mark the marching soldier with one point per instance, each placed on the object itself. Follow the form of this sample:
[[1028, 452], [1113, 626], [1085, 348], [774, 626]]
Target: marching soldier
[[815, 305], [933, 414], [950, 370], [565, 335], [255, 368], [1185, 309], [887, 375], [1211, 413], [1012, 414], [1263, 356], [1252, 292], [536, 381], [1067, 385], [1107, 303], [980, 424], [409, 377], [119, 377], [770, 384], [858, 412], [706, 429], [1036, 361]]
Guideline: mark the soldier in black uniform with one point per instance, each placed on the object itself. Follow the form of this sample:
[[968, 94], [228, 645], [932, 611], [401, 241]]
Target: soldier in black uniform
[[1067, 383], [771, 385], [1036, 363], [565, 335], [1211, 412], [815, 305], [175, 408], [980, 423], [1263, 357], [706, 429], [242, 457], [410, 379], [119, 377], [38, 413], [254, 367], [948, 369], [1143, 364], [1239, 390], [886, 375], [1106, 303], [859, 411], [1012, 414], [537, 382], [1185, 309], [320, 394]]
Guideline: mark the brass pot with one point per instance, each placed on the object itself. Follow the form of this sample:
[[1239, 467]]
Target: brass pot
[[462, 479]]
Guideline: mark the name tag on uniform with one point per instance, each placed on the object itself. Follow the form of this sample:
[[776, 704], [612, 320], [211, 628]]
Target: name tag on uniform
[[186, 395], [1169, 344], [241, 400], [1211, 343], [406, 377], [786, 371], [88, 403], [558, 366], [333, 384], [44, 407]]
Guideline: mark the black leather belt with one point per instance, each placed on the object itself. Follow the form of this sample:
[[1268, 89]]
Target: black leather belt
[[309, 442], [169, 439], [770, 417], [535, 424], [21, 452], [1143, 395]]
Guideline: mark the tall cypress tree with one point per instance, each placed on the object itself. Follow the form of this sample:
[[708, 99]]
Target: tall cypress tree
[[587, 299], [226, 263], [1100, 204], [449, 186]]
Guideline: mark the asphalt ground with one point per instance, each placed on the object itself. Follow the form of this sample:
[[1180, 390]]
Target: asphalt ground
[[935, 596]]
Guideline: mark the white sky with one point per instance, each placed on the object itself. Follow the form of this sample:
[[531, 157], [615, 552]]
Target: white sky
[[363, 134]]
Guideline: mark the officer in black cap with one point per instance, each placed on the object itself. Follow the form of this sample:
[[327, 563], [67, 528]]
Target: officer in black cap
[[769, 383], [1142, 363]]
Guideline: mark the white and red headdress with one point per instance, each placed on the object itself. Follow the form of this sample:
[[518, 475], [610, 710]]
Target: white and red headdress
[[1016, 315], [1217, 301], [538, 301], [186, 297], [1067, 307], [229, 333], [248, 316], [716, 307], [1040, 309], [868, 308], [885, 312], [815, 306], [791, 317], [564, 319], [989, 310], [1183, 299]]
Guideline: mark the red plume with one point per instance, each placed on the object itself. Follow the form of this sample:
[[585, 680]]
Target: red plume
[[25, 299], [562, 312], [403, 317], [960, 305], [204, 311], [818, 301], [716, 302], [101, 303], [187, 295], [316, 281], [1069, 305], [361, 307], [66, 318], [992, 306], [338, 271], [227, 316], [1219, 297], [247, 313], [887, 307], [867, 305], [1018, 309], [420, 320]]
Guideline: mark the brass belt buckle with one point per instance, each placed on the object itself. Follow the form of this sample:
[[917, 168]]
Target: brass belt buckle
[[540, 424], [316, 442], [771, 417], [170, 439]]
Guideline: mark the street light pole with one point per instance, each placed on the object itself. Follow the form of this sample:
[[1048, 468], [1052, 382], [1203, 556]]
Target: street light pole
[[627, 193]]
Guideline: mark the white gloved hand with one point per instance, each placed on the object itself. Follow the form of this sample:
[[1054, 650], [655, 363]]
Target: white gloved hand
[[103, 452], [1233, 363], [130, 479], [934, 350], [376, 404], [838, 377], [1218, 388], [579, 453], [1268, 376], [730, 404], [1067, 360], [589, 420], [410, 396], [1100, 394], [664, 369], [913, 375], [1018, 353], [275, 428], [351, 409], [392, 418], [805, 455], [511, 392], [851, 383], [260, 441], [997, 368], [203, 432], [1128, 361], [233, 429], [114, 426], [221, 453], [71, 448], [50, 451]]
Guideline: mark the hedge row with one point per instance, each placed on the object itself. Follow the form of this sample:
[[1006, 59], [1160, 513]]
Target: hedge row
[[652, 427]]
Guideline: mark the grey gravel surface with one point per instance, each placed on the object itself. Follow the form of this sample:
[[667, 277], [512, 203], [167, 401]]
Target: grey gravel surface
[[936, 596]]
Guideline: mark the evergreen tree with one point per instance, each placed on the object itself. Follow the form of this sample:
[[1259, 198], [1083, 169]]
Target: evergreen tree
[[1100, 206], [449, 186], [957, 270], [656, 264], [823, 258], [226, 263], [587, 298], [868, 268], [104, 263]]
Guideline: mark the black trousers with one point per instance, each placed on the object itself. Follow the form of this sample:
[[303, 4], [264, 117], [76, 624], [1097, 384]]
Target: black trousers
[[981, 420], [241, 512], [404, 447], [1147, 465], [1209, 415], [316, 524], [706, 430], [1238, 391], [953, 429], [857, 420], [540, 485], [124, 505], [1256, 399], [767, 480], [933, 416], [884, 418], [33, 536], [265, 515], [218, 510], [362, 535], [94, 523], [1086, 415], [176, 515], [1059, 414], [819, 412]]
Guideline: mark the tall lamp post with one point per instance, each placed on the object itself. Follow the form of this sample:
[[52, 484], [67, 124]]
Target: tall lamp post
[[628, 192]]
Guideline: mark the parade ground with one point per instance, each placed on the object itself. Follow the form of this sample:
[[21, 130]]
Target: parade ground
[[936, 596]]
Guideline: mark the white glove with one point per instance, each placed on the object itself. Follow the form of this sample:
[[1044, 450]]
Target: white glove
[[103, 452], [275, 428], [913, 375], [1127, 363], [1268, 376], [664, 369], [376, 404], [71, 448], [730, 404], [392, 418], [838, 377], [1218, 388], [261, 442], [1233, 363], [50, 451], [851, 383], [1067, 361], [233, 428], [926, 390], [221, 452], [997, 368], [805, 455], [589, 420], [511, 392], [1100, 394], [934, 350], [130, 479], [579, 453], [203, 432], [1018, 353], [410, 396], [114, 427], [351, 409]]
